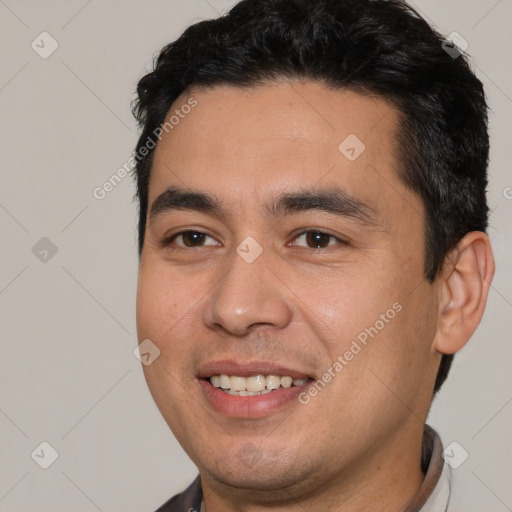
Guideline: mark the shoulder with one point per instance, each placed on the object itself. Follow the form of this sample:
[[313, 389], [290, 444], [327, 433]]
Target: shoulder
[[187, 501]]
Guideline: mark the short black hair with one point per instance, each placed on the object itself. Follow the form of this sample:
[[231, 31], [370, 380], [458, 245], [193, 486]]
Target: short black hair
[[379, 47]]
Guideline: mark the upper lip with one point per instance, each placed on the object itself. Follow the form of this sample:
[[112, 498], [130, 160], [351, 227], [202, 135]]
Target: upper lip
[[249, 368]]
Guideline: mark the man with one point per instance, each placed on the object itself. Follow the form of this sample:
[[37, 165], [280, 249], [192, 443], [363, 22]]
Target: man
[[311, 178]]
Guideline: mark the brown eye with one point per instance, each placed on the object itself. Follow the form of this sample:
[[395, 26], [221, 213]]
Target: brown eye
[[317, 239], [190, 239]]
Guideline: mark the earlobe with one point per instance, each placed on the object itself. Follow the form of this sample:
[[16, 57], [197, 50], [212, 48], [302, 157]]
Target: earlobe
[[465, 281]]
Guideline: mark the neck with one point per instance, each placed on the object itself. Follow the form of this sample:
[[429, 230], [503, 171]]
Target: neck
[[389, 475]]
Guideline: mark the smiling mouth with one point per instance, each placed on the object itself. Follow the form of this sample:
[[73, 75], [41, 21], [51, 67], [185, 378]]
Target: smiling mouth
[[254, 385]]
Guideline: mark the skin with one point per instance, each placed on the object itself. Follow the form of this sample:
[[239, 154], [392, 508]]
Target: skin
[[359, 440]]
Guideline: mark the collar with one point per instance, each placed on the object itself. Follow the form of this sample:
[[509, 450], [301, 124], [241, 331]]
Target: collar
[[434, 493]]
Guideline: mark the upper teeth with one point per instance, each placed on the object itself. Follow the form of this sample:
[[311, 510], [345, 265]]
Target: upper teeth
[[254, 383]]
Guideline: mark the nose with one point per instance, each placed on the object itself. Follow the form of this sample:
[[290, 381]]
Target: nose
[[249, 295]]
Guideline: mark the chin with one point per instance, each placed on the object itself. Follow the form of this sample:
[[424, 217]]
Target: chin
[[252, 471]]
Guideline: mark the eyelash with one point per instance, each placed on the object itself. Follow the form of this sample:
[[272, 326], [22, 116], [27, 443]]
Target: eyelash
[[168, 240]]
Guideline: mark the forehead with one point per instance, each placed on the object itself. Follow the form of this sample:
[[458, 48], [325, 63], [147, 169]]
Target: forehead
[[243, 144]]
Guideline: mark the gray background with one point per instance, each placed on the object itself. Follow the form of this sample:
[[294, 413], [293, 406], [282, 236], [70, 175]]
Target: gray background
[[68, 374]]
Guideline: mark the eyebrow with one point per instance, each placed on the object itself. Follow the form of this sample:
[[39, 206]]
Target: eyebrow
[[330, 200]]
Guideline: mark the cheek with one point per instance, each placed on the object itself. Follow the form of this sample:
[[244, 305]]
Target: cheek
[[343, 303], [375, 322], [163, 300], [169, 313], [165, 310], [396, 362]]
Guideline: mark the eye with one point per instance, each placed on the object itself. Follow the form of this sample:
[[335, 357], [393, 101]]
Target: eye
[[317, 239], [190, 239]]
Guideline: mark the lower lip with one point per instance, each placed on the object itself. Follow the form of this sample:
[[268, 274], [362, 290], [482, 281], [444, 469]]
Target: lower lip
[[256, 406]]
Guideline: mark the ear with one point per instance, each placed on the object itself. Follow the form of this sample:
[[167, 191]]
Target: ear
[[465, 280]]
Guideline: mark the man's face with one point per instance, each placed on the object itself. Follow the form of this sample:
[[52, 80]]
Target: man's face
[[274, 282]]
